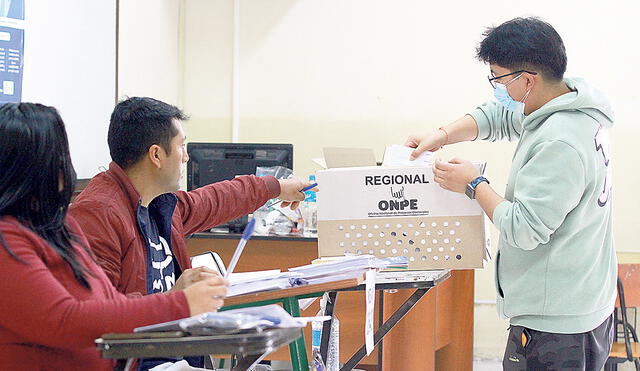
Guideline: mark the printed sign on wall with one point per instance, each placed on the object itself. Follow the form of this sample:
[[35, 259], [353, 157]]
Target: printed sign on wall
[[11, 50]]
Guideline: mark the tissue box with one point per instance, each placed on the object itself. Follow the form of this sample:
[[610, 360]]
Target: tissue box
[[399, 211]]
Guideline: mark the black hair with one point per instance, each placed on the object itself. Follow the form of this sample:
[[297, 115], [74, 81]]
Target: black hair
[[37, 178], [136, 124], [525, 43]]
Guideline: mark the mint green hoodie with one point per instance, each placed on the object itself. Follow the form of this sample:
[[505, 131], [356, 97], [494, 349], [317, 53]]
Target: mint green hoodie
[[556, 266]]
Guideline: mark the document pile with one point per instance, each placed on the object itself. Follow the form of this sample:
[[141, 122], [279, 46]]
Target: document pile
[[393, 262], [320, 271], [344, 267], [246, 283], [234, 321]]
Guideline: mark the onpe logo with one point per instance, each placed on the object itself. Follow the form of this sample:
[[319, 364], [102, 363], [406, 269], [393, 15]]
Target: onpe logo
[[398, 202]]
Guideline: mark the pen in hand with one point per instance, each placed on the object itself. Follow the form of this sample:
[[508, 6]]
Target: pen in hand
[[301, 191], [246, 235]]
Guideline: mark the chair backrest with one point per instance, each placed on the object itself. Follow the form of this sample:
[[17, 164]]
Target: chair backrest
[[629, 275]]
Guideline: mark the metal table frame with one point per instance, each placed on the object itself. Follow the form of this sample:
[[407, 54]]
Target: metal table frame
[[289, 299], [422, 287]]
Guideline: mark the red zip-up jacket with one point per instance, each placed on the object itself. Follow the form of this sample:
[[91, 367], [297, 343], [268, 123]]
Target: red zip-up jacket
[[107, 213], [48, 321]]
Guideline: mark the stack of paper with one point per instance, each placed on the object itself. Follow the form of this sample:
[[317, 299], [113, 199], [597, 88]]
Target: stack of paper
[[393, 262], [330, 269], [397, 262], [338, 268], [237, 278], [245, 283]]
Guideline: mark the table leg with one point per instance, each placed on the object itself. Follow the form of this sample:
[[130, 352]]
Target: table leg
[[129, 363], [326, 326], [246, 362], [380, 322], [386, 327], [297, 348]]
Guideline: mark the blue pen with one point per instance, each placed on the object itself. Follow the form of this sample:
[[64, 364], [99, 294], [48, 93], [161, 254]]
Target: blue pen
[[302, 191], [246, 235], [308, 187]]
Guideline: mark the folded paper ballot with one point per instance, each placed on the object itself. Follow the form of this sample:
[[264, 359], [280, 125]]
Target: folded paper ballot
[[397, 155], [234, 321]]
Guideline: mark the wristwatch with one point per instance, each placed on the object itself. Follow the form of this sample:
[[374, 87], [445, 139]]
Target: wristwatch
[[471, 187]]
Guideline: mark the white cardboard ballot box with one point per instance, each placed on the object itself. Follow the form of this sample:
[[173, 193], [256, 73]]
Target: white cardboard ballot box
[[399, 211]]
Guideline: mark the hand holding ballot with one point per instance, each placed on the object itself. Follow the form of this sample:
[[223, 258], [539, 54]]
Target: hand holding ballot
[[432, 141], [290, 192]]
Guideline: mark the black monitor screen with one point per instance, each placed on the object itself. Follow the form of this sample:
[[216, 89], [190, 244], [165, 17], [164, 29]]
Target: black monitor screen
[[215, 162]]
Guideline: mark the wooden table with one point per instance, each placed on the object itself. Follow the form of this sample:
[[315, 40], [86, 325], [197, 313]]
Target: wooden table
[[440, 326]]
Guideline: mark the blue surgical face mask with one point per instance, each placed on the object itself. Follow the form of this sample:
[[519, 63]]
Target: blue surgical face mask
[[502, 95]]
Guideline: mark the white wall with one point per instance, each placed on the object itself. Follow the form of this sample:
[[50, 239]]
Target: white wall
[[208, 59], [149, 49]]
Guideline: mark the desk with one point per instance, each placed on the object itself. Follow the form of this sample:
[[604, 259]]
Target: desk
[[289, 299], [250, 346], [431, 280], [440, 325]]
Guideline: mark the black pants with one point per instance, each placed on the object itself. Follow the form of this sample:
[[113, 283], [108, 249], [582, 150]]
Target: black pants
[[532, 350]]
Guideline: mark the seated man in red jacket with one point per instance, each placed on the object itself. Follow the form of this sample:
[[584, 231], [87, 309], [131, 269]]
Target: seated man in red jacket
[[135, 218]]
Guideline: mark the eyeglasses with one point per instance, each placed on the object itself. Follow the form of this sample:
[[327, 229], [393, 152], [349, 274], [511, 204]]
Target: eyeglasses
[[493, 82]]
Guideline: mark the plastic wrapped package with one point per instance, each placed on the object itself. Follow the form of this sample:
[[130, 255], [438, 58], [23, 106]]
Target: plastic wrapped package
[[229, 322]]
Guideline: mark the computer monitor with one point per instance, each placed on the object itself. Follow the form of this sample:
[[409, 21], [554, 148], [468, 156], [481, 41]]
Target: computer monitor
[[215, 162]]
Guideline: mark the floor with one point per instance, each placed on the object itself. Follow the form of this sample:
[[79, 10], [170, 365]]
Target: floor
[[497, 366], [485, 365], [478, 365]]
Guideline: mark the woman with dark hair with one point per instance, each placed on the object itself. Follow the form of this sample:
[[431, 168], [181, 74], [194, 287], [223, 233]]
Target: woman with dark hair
[[55, 299]]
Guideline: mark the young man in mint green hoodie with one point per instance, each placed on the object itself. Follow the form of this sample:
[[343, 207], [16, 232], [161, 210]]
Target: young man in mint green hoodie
[[556, 267]]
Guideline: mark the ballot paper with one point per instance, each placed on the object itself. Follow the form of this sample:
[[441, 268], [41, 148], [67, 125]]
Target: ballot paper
[[342, 268], [393, 262], [397, 155], [246, 283], [243, 277]]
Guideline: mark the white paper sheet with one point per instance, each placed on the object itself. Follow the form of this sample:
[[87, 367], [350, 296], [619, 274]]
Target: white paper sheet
[[370, 285], [397, 155], [236, 278]]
